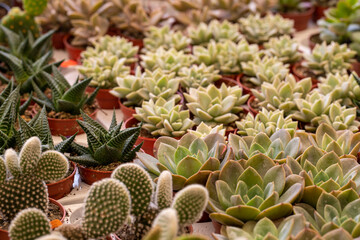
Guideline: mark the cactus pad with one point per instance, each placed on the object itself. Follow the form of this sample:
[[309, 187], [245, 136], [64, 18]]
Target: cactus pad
[[20, 193], [2, 170], [29, 224], [12, 163], [168, 223], [72, 232], [52, 165], [34, 7], [29, 155], [164, 190], [139, 184], [190, 204], [106, 209]]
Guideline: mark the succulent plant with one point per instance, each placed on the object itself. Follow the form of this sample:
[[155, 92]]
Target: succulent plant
[[168, 60], [214, 105], [324, 172], [20, 22], [290, 228], [226, 56], [259, 30], [218, 31], [279, 146], [65, 98], [202, 130], [29, 170], [104, 69], [256, 190], [34, 8], [284, 48], [164, 118], [106, 146], [334, 212], [55, 17], [88, 19], [329, 58], [198, 75], [190, 159], [113, 46], [265, 69], [280, 94], [29, 224], [267, 122], [165, 37]]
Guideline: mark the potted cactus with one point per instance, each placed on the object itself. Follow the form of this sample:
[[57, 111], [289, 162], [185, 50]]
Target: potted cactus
[[55, 17], [160, 118], [29, 170], [66, 103], [112, 148], [89, 22], [298, 11]]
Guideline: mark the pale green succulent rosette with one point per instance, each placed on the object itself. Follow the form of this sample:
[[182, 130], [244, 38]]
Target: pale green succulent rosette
[[198, 76], [284, 48]]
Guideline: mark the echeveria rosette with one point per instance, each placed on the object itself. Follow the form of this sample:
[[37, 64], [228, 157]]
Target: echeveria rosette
[[164, 118], [279, 146], [331, 213], [267, 122], [284, 48], [203, 130], [324, 172], [198, 75], [280, 94], [214, 105], [257, 189], [264, 69], [190, 159]]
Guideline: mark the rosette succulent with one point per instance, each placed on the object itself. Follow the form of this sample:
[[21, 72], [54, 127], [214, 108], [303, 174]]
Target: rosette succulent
[[332, 58], [164, 118], [113, 46], [259, 30], [168, 60], [267, 122], [324, 172], [198, 75], [257, 189], [279, 146], [165, 37], [284, 48], [190, 159], [104, 69], [280, 94], [214, 105], [55, 16], [203, 130]]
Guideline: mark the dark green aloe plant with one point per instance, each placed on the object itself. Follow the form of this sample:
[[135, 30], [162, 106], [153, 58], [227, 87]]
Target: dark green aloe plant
[[106, 146], [65, 98]]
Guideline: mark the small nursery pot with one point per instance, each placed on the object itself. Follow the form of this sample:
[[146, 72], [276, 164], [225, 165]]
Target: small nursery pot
[[295, 69], [148, 145], [73, 52], [58, 40], [319, 12], [104, 98], [217, 226], [356, 67], [229, 81], [301, 19], [4, 235], [117, 32], [231, 76], [127, 112], [314, 39], [66, 127], [63, 187], [89, 176], [252, 110], [246, 90]]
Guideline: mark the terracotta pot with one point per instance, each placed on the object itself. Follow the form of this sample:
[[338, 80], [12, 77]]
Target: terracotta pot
[[313, 40], [63, 187], [66, 127], [217, 226], [104, 98], [58, 40], [148, 145], [229, 81], [319, 12], [4, 235], [73, 52], [204, 218], [301, 19], [298, 75], [127, 112], [246, 90], [252, 110], [356, 67], [231, 76], [117, 32], [89, 176]]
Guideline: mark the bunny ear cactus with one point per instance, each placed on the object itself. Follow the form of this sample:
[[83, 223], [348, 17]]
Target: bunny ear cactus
[[214, 105], [190, 159], [29, 224], [106, 146], [34, 8], [334, 213], [265, 69], [196, 76], [324, 172], [284, 48], [280, 94], [279, 146], [267, 122], [164, 118], [256, 190], [164, 190]]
